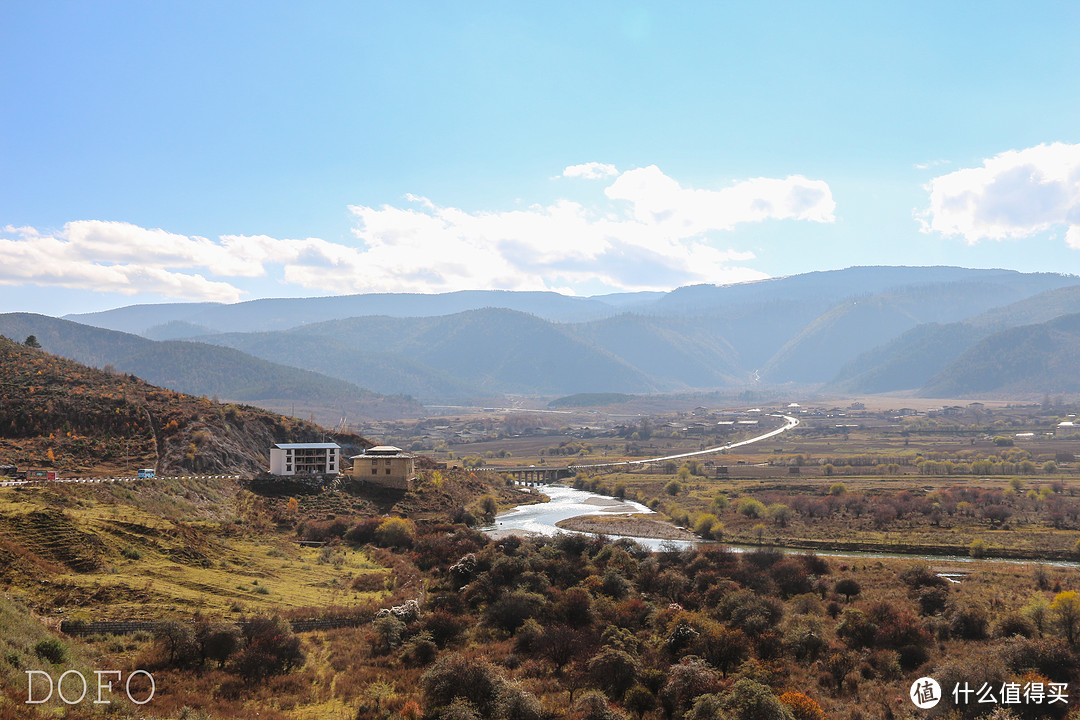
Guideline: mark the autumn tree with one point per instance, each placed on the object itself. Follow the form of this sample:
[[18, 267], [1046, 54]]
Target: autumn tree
[[1066, 613]]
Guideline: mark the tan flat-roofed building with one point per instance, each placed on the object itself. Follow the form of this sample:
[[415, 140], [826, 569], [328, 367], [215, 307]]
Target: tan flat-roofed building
[[385, 465]]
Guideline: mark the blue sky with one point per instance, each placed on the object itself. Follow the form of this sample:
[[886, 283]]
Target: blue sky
[[229, 151]]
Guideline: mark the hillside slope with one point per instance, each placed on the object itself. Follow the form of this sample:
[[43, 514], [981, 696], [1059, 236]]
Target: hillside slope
[[204, 369], [58, 413], [910, 360], [478, 352], [1025, 360]]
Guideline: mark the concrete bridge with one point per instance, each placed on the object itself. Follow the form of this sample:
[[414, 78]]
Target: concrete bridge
[[534, 474]]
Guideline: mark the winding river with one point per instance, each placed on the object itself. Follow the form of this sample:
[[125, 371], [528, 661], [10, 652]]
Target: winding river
[[566, 502]]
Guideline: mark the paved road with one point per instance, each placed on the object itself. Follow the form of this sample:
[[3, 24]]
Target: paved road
[[789, 423]]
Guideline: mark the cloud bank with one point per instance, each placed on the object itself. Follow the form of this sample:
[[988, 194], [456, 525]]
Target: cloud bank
[[647, 232], [1016, 194]]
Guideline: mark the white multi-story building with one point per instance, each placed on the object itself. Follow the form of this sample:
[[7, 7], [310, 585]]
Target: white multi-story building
[[305, 459]]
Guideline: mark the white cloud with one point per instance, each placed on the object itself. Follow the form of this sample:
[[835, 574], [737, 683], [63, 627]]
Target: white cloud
[[1016, 194], [658, 199], [590, 171], [646, 233], [657, 236], [931, 164], [83, 257]]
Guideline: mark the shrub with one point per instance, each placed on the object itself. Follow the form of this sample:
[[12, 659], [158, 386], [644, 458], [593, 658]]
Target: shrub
[[933, 600], [179, 641], [517, 704], [363, 532], [704, 524], [512, 609], [387, 633], [751, 700], [856, 629], [802, 707], [592, 705], [639, 700], [218, 643], [977, 549], [456, 677], [1014, 624], [614, 671], [1052, 658], [445, 627], [848, 587], [686, 681], [395, 532], [271, 648], [750, 507], [920, 575], [419, 651], [51, 650]]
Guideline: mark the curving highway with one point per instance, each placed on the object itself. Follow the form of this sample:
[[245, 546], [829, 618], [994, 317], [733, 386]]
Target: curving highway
[[789, 423]]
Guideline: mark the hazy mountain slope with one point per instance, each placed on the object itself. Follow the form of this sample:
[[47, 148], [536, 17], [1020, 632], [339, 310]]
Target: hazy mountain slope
[[676, 352], [863, 323], [804, 328], [507, 351], [198, 368], [489, 350], [831, 286], [1025, 360], [1032, 310], [283, 313], [175, 330], [359, 360], [909, 361], [819, 289], [137, 318]]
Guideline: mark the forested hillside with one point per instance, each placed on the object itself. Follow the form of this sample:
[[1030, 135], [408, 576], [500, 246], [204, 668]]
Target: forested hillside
[[1029, 359]]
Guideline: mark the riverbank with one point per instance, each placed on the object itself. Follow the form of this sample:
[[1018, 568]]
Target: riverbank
[[626, 526]]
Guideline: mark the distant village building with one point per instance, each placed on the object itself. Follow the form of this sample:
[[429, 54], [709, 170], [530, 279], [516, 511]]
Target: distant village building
[[385, 465], [305, 459], [1067, 429]]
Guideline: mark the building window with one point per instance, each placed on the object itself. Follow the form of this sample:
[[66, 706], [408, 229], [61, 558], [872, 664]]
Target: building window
[[387, 462], [288, 467], [387, 471], [374, 471]]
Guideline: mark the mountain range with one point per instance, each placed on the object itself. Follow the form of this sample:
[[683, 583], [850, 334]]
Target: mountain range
[[859, 330]]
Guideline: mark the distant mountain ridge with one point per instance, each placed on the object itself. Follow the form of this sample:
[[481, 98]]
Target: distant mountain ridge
[[861, 329]]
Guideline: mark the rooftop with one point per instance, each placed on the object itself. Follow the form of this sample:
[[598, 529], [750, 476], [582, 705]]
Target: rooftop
[[308, 446]]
